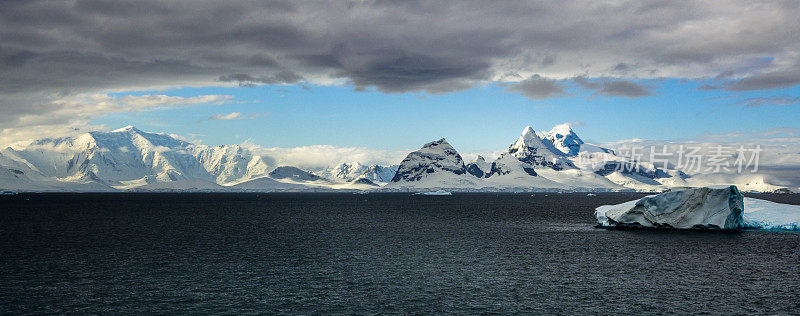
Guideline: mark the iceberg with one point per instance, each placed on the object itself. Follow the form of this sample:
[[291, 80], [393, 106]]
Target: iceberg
[[700, 208], [439, 192], [761, 214]]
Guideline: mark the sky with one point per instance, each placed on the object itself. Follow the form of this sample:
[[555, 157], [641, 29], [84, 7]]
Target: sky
[[393, 75]]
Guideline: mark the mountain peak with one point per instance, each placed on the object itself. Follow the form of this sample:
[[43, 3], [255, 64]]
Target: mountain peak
[[129, 128], [528, 139], [437, 156], [437, 143], [563, 129], [564, 139], [348, 170], [528, 132]]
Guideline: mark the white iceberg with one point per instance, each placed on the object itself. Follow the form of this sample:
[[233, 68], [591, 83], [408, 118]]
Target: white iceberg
[[701, 208], [439, 192]]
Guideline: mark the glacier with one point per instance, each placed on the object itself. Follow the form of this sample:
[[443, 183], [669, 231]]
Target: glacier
[[722, 208]]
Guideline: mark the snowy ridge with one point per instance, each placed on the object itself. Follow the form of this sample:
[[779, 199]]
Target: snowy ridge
[[355, 171], [130, 159]]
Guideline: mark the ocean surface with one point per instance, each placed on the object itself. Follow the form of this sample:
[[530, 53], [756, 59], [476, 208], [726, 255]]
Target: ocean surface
[[376, 253]]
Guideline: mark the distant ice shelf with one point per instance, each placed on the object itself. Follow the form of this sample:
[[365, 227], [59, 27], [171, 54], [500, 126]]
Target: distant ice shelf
[[761, 214]]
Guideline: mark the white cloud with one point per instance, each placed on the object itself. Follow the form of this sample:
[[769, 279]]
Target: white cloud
[[435, 46], [235, 116], [226, 117], [326, 156], [70, 115], [144, 102]]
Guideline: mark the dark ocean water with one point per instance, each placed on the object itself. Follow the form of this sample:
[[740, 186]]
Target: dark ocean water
[[376, 253]]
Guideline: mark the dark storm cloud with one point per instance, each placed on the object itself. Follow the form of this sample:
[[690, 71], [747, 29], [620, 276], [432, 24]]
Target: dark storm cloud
[[588, 84], [614, 87], [772, 80], [622, 88], [71, 71], [248, 80], [57, 48], [416, 72], [622, 67], [538, 88], [708, 87], [394, 46]]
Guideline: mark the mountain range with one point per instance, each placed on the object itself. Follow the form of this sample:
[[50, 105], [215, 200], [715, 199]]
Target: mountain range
[[133, 160]]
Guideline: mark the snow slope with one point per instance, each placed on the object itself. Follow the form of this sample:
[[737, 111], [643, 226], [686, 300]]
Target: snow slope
[[267, 184], [230, 163]]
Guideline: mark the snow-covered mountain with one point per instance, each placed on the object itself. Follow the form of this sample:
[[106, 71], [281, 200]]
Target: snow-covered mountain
[[123, 158], [379, 174], [127, 158], [527, 153], [530, 163], [564, 140], [352, 171], [230, 163], [435, 165], [554, 160], [130, 159], [479, 168], [347, 171]]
